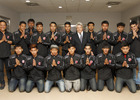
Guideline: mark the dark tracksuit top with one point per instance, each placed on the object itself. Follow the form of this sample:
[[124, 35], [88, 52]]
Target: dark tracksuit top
[[42, 47], [88, 71], [63, 38], [93, 43], [105, 71], [5, 48], [57, 37], [134, 43], [21, 41], [35, 72], [54, 73], [125, 72], [33, 30], [17, 72], [72, 72], [117, 45], [99, 40]]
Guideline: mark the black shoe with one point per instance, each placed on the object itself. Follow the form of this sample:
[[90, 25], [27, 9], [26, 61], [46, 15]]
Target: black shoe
[[137, 86], [2, 86]]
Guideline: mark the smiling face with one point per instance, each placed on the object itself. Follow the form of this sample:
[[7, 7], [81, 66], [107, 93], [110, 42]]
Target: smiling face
[[18, 50], [125, 49], [22, 26], [3, 26], [53, 27], [134, 27], [120, 29], [54, 51], [71, 50], [79, 28], [90, 27]]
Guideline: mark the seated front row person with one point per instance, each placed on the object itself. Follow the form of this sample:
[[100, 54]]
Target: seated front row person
[[35, 67], [73, 64], [105, 62], [54, 64], [88, 73], [17, 63], [125, 63]]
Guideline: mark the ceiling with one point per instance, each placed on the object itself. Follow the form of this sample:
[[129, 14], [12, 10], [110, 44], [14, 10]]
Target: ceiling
[[51, 6]]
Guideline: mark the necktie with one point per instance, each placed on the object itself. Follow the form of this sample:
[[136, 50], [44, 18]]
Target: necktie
[[81, 37]]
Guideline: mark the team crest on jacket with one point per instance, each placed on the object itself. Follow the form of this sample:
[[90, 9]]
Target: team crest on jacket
[[44, 38], [55, 37], [91, 61], [123, 39], [108, 36], [76, 61], [129, 59], [70, 38], [7, 37], [23, 61], [39, 63], [58, 62], [110, 61]]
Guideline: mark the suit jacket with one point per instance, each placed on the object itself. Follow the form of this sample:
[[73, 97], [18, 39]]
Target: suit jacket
[[77, 43]]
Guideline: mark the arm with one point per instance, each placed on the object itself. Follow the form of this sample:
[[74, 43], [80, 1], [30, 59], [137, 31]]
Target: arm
[[47, 64]]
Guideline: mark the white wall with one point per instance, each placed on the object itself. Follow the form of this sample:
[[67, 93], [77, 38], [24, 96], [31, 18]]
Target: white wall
[[14, 17], [60, 18], [129, 13]]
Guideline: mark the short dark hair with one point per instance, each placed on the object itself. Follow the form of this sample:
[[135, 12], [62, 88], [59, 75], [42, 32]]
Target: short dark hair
[[133, 22], [106, 45], [18, 45], [71, 45], [67, 23], [33, 46], [121, 24], [39, 23], [124, 44], [53, 23], [3, 21], [22, 22], [105, 22], [90, 23], [31, 20], [88, 44]]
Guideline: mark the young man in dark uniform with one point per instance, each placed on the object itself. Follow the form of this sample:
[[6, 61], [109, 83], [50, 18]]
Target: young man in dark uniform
[[104, 36], [17, 64], [72, 64], [21, 37], [125, 63], [119, 37], [66, 38], [6, 39], [105, 62], [88, 73], [54, 64], [92, 35], [35, 68], [31, 29], [40, 39]]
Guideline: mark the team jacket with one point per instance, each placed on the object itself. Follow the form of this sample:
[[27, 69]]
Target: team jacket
[[35, 72], [42, 47], [5, 48], [134, 43], [54, 73], [19, 71], [88, 71], [63, 38], [93, 43], [99, 40], [105, 71], [117, 45], [33, 30], [125, 72], [21, 41], [57, 37], [72, 72]]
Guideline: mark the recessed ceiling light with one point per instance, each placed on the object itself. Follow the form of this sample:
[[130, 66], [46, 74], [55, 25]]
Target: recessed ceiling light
[[60, 7], [87, 0], [27, 0], [109, 6]]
